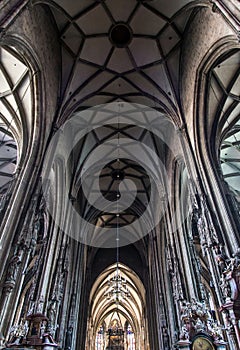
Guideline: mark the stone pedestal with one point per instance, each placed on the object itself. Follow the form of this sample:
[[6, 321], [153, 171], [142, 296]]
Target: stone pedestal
[[36, 338]]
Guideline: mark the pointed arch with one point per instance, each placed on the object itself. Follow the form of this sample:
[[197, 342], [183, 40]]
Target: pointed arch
[[104, 309]]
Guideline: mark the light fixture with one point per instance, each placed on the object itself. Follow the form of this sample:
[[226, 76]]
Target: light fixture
[[117, 290]]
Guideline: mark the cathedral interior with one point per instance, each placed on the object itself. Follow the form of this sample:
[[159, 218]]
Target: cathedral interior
[[120, 174]]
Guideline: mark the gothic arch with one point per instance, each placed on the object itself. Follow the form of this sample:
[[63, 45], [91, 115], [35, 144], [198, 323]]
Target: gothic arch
[[25, 118], [102, 305], [19, 120], [76, 63], [206, 142]]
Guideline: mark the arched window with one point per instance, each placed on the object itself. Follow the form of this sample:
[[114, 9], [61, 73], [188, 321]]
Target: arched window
[[230, 158], [15, 94], [117, 325], [224, 91], [15, 115], [130, 337], [100, 338], [8, 157]]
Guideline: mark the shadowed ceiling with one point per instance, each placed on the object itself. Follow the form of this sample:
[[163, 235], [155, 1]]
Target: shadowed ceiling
[[126, 51], [136, 62], [114, 51]]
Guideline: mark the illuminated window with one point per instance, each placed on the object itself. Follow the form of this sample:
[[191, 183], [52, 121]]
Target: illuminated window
[[230, 159], [130, 338], [8, 158], [100, 338], [15, 113]]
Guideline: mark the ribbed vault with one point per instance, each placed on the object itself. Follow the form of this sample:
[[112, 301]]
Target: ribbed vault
[[115, 163], [140, 63], [230, 159], [103, 310], [15, 112], [15, 94], [8, 158]]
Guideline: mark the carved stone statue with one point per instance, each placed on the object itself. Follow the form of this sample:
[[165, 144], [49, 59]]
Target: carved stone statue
[[13, 269], [68, 342], [52, 313], [165, 338], [196, 317], [225, 287], [184, 334], [220, 257], [234, 261]]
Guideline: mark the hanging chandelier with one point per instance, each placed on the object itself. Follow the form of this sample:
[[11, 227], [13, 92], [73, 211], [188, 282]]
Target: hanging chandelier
[[117, 289]]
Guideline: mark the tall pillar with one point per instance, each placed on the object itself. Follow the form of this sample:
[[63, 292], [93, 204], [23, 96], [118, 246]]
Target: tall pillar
[[230, 285]]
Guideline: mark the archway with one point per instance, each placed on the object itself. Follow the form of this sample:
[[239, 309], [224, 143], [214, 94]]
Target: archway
[[117, 323], [15, 109]]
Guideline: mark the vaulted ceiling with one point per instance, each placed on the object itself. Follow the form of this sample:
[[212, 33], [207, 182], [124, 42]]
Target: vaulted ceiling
[[130, 307], [121, 50]]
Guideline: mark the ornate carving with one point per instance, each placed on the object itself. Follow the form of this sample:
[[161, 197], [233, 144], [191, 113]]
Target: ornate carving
[[230, 286], [197, 318], [165, 337], [38, 228], [68, 341], [20, 330], [13, 266], [225, 287], [174, 273], [36, 307], [31, 333], [59, 286], [39, 305], [184, 333], [230, 277], [8, 287], [52, 313], [13, 269], [203, 223], [220, 256], [234, 262]]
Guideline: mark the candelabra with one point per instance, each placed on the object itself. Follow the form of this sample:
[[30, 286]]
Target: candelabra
[[117, 287]]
